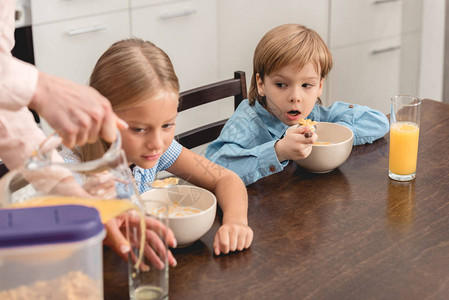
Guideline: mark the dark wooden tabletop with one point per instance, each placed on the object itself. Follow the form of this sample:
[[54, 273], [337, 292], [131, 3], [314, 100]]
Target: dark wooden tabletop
[[349, 234]]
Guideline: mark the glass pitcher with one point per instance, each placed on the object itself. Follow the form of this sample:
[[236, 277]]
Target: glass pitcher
[[41, 180]]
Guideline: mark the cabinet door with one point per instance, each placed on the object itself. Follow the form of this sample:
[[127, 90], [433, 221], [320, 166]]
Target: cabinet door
[[366, 74], [356, 21], [187, 32], [71, 48], [45, 11]]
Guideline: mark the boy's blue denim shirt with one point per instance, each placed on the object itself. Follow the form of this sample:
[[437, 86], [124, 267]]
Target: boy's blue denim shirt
[[246, 143]]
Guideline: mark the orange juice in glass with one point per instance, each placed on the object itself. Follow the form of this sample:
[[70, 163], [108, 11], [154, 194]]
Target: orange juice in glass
[[404, 137]]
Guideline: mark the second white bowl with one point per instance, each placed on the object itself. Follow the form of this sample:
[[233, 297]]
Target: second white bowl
[[187, 228]]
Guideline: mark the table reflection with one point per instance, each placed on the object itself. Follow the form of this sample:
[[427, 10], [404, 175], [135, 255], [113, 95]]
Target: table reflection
[[401, 204]]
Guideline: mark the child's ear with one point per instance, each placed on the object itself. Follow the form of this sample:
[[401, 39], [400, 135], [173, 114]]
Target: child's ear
[[260, 85], [320, 90]]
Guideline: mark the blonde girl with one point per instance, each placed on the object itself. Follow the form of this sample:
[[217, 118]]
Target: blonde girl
[[139, 80]]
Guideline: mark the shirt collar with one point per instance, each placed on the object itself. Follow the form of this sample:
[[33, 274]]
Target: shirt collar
[[274, 125], [143, 178], [137, 171]]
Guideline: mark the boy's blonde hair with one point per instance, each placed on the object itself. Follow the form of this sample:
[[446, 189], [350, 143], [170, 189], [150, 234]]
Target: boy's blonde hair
[[284, 45], [129, 73]]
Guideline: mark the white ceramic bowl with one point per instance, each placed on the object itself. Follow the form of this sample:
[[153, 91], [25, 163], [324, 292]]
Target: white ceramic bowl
[[325, 158], [187, 228]]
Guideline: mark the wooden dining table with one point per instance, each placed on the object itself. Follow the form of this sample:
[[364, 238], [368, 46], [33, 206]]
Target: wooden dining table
[[352, 233]]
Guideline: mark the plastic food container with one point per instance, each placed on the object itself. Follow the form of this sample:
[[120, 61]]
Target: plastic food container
[[51, 252]]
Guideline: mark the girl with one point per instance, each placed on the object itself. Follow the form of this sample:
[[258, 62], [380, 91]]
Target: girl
[[139, 80], [290, 64]]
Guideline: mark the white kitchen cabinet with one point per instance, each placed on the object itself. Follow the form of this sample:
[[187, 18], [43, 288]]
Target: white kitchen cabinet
[[46, 11], [71, 48], [186, 31], [375, 45], [366, 73], [358, 21]]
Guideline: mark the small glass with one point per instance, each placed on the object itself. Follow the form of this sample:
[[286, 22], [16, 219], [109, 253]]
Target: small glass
[[404, 136], [149, 280]]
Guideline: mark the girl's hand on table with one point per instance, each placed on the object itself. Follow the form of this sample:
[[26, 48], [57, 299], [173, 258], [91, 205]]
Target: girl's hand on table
[[117, 241], [232, 237]]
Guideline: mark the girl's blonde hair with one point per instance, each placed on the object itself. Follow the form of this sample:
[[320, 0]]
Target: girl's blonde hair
[[129, 73], [284, 45]]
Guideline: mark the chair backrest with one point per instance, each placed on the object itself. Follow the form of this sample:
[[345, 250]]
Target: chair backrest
[[205, 94], [3, 169]]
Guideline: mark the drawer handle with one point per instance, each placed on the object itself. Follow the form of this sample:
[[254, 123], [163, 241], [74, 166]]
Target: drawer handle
[[18, 15], [389, 49], [375, 2], [86, 29], [177, 14]]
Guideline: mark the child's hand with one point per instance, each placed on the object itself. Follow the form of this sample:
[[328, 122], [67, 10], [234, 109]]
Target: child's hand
[[118, 242], [296, 144], [232, 237]]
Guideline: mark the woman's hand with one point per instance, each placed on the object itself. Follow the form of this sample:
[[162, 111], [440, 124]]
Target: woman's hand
[[78, 113], [232, 237], [296, 144]]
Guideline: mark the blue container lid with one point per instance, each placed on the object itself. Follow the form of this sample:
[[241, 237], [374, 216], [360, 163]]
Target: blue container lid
[[48, 225]]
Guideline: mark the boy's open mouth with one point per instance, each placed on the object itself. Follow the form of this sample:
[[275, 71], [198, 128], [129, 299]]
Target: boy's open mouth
[[294, 113]]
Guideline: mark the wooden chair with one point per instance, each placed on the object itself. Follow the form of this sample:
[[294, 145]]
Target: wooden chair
[[206, 94]]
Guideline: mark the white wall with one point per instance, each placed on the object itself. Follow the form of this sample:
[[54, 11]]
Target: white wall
[[432, 50]]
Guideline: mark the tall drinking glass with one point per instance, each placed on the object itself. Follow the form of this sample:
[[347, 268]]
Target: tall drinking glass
[[149, 280], [404, 136]]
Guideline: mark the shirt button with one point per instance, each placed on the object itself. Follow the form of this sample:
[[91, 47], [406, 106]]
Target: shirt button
[[272, 169], [351, 106]]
